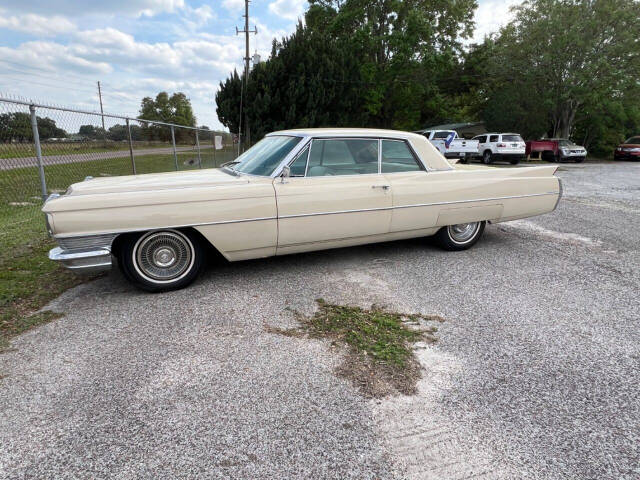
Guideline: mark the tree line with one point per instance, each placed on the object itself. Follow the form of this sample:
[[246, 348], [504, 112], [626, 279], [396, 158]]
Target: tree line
[[560, 68]]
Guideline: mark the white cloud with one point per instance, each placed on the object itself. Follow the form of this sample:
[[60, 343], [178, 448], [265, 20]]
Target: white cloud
[[193, 61], [36, 24], [233, 5], [52, 56], [490, 16], [289, 9], [84, 7]]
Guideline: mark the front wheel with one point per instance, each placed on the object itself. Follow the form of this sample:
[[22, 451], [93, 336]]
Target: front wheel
[[162, 260], [461, 236]]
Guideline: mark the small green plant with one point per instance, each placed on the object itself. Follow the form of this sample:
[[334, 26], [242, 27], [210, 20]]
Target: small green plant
[[380, 359]]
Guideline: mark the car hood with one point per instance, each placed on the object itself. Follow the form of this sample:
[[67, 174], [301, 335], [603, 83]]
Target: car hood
[[155, 181]]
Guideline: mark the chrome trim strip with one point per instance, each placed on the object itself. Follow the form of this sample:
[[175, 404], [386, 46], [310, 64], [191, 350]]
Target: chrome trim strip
[[258, 219], [416, 205], [149, 229]]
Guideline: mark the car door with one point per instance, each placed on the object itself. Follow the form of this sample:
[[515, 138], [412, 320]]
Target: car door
[[335, 194], [409, 186]]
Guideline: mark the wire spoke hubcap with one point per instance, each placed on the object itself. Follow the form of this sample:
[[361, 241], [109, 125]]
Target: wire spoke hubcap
[[463, 232], [164, 256]]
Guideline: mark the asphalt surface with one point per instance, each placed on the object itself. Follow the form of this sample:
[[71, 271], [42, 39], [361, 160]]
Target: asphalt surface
[[535, 374], [21, 162]]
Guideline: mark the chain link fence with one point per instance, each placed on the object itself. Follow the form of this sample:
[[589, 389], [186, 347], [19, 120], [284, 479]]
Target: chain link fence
[[44, 149]]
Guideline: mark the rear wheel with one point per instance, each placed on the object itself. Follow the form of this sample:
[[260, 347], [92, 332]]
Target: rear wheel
[[461, 236], [161, 260], [486, 157], [514, 161]]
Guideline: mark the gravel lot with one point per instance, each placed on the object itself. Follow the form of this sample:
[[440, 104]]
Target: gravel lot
[[535, 374]]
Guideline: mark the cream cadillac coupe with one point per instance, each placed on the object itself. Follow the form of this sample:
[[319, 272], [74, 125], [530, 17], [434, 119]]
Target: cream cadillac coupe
[[294, 191]]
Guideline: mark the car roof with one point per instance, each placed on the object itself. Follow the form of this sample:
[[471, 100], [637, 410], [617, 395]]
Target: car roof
[[347, 132], [495, 133]]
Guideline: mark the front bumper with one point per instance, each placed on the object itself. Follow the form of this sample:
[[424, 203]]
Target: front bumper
[[626, 155], [83, 261]]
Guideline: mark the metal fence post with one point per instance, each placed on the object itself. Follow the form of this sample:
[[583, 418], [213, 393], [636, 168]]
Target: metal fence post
[[213, 142], [133, 161], [36, 142], [173, 143], [198, 146]]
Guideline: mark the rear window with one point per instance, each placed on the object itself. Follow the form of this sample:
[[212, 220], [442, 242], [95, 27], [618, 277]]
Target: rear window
[[441, 134], [633, 140], [512, 138]]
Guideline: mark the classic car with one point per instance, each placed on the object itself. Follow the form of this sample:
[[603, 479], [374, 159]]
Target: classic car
[[294, 191]]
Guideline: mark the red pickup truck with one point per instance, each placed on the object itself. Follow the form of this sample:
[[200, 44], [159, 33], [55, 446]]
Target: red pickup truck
[[555, 150]]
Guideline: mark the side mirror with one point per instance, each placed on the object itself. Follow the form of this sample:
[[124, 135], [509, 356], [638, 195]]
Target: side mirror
[[286, 173]]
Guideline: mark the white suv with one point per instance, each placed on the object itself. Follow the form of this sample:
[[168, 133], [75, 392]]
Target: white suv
[[500, 146]]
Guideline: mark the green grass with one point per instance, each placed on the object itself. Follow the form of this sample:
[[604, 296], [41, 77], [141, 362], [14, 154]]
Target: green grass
[[28, 279], [21, 150], [381, 358]]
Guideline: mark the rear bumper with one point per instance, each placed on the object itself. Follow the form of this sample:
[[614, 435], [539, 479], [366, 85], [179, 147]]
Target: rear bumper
[[87, 261], [508, 156]]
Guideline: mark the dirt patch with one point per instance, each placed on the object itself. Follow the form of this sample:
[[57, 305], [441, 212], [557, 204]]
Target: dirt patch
[[378, 344]]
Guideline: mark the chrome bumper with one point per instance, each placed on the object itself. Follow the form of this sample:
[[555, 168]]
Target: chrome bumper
[[88, 261]]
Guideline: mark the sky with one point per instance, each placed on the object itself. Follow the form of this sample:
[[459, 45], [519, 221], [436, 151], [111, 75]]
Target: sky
[[55, 51]]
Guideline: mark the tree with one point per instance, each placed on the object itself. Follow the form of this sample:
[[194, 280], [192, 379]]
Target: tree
[[170, 109], [16, 127], [558, 57], [378, 63], [92, 132]]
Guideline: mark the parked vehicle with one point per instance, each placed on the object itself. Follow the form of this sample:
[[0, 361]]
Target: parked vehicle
[[294, 191], [451, 145], [556, 150], [629, 150], [500, 146]]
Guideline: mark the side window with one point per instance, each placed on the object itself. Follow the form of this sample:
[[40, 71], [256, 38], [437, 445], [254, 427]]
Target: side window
[[398, 157], [493, 138], [342, 157], [299, 165], [482, 139]]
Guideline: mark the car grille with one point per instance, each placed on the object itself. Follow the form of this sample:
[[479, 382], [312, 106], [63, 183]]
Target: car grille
[[88, 242]]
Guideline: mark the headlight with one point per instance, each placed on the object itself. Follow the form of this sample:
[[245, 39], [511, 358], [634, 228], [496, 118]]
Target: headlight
[[563, 150]]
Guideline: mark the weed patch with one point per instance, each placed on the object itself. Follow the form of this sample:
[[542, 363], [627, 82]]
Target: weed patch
[[380, 358]]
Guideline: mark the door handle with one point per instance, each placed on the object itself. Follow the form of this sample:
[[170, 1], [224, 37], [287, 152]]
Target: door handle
[[384, 187]]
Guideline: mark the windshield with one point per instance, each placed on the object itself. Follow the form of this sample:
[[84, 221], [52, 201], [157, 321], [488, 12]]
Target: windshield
[[263, 158], [565, 143], [633, 140]]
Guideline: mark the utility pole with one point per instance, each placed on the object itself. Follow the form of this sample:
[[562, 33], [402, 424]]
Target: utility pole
[[247, 59], [100, 97]]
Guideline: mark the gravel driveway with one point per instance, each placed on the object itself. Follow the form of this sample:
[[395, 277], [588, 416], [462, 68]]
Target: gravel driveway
[[535, 374]]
